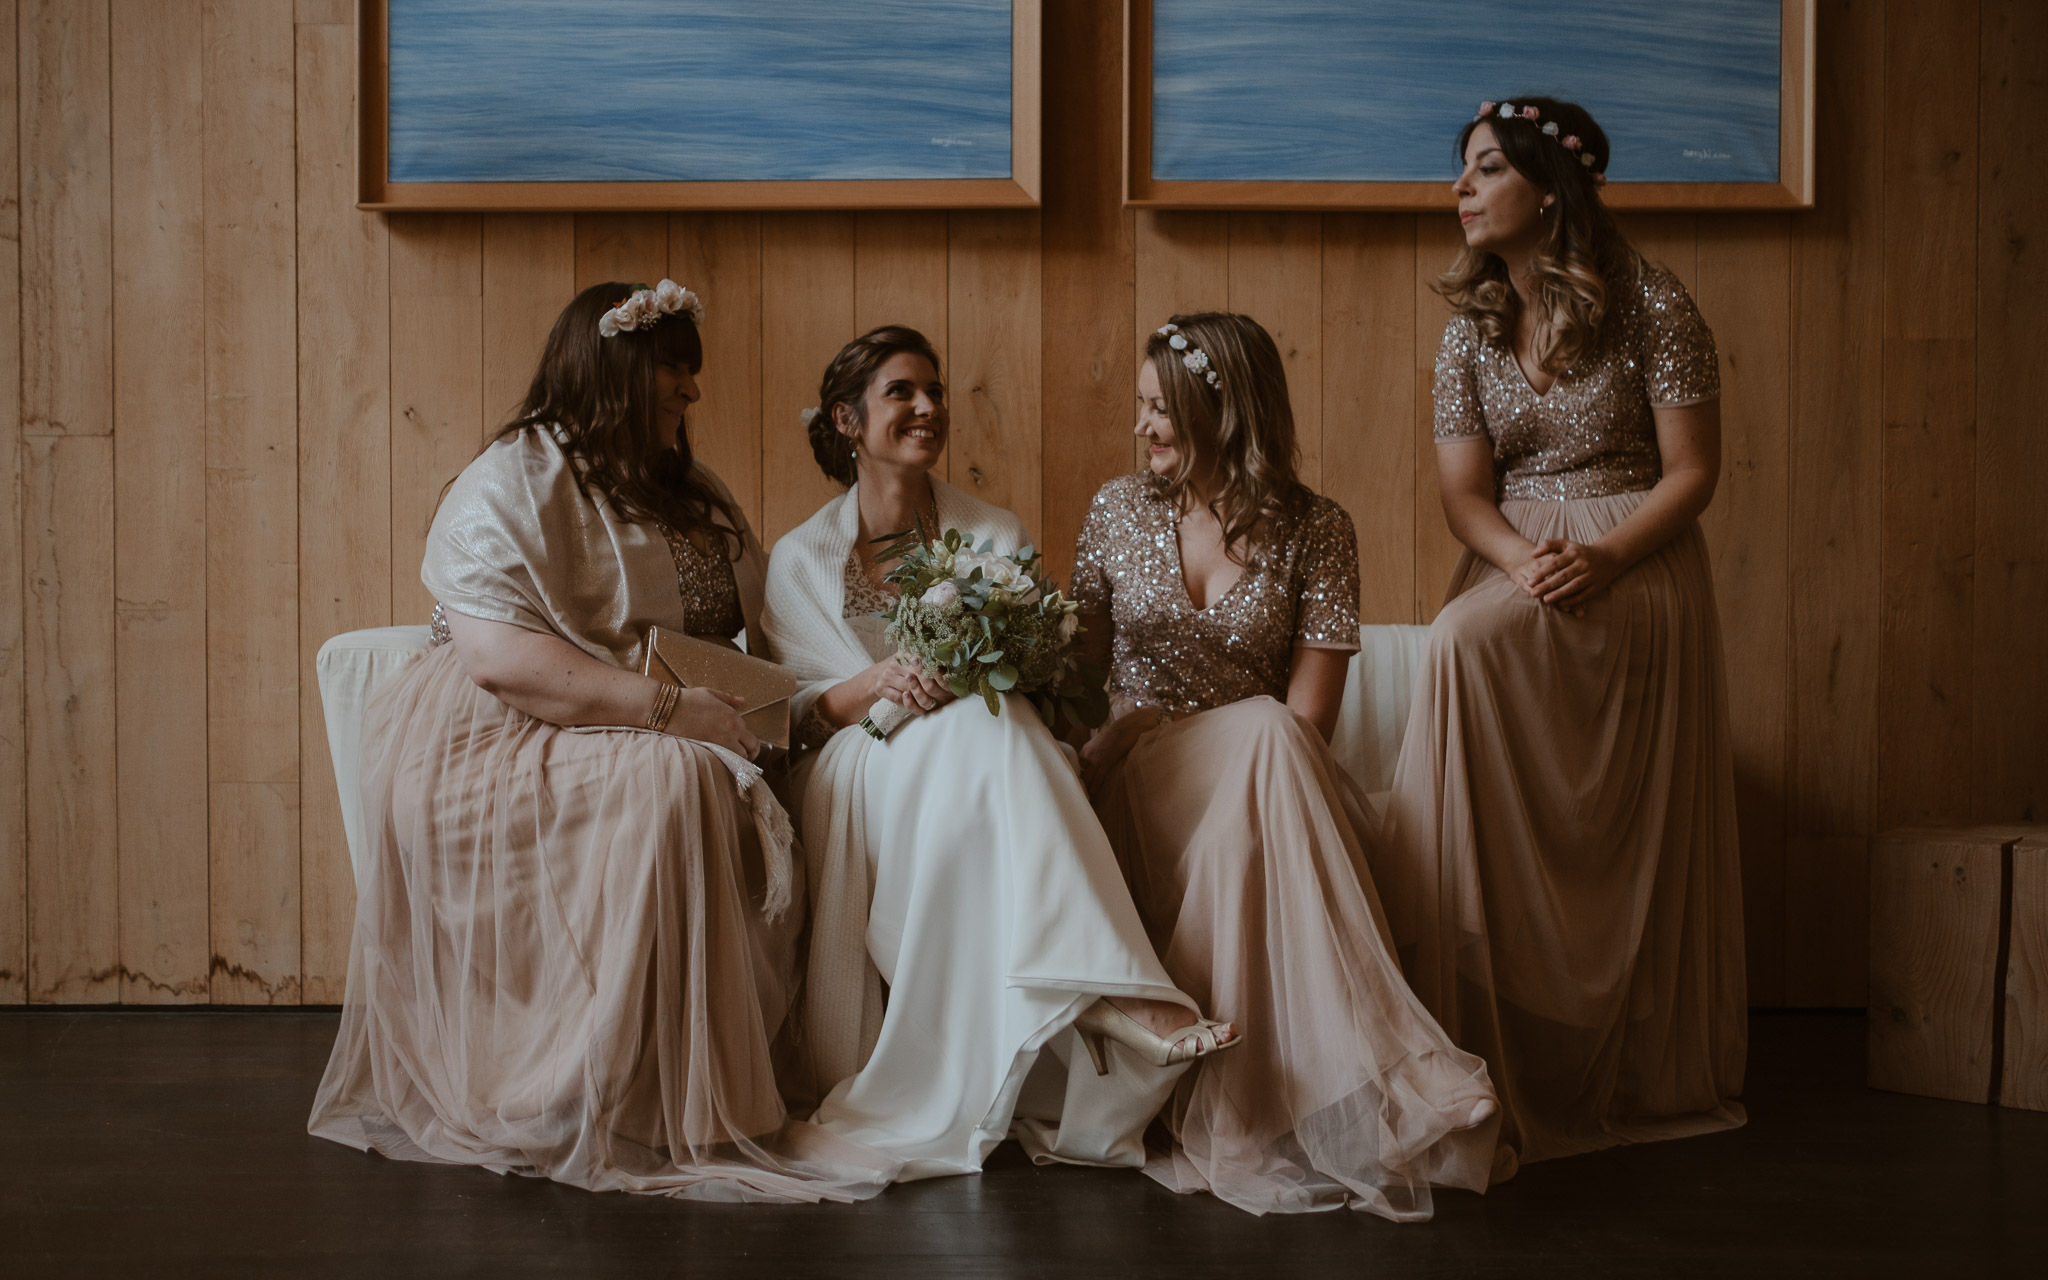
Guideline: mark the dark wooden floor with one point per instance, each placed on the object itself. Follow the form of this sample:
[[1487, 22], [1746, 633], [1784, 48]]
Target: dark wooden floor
[[174, 1144]]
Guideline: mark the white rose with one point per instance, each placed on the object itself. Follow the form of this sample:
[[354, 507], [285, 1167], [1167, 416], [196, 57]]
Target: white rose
[[941, 595], [608, 324], [670, 295], [1069, 624]]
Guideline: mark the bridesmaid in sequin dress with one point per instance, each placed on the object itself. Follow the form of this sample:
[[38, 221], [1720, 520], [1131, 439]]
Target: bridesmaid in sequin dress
[[1560, 862], [1225, 595]]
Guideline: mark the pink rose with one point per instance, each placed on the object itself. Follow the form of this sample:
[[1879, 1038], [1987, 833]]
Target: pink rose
[[1529, 113], [941, 595]]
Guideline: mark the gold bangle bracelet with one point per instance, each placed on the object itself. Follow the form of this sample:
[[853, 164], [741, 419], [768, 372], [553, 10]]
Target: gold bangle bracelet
[[665, 699]]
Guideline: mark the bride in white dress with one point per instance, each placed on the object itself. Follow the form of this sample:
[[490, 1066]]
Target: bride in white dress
[[958, 862]]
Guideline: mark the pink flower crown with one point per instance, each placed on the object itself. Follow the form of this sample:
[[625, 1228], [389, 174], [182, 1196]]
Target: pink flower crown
[[1196, 359], [1570, 142]]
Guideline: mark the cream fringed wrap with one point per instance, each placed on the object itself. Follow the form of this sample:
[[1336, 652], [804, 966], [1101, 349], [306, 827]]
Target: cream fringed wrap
[[802, 625], [519, 540]]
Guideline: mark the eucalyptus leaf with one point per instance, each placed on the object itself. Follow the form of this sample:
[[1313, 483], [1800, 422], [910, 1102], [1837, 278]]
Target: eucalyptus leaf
[[1003, 677], [995, 706]]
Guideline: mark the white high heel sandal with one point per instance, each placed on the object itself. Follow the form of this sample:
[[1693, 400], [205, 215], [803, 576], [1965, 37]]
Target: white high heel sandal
[[1104, 1021]]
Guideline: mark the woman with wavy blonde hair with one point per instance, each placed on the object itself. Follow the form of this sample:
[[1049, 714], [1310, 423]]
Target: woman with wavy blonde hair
[[1224, 594], [1560, 860]]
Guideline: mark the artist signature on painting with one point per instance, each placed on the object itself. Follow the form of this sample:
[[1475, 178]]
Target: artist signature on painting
[[952, 142], [1702, 153]]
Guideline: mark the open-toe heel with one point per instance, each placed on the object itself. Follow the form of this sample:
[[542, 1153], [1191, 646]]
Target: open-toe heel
[[1103, 1021]]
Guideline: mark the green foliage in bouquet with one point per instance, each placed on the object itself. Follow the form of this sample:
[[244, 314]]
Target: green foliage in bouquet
[[991, 624]]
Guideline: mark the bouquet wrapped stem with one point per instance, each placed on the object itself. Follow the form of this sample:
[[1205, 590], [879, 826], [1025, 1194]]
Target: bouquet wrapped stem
[[987, 625]]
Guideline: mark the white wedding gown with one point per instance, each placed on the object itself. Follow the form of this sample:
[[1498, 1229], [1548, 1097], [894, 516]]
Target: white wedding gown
[[997, 911]]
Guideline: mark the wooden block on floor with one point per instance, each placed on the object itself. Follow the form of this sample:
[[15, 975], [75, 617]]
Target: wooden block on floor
[[1936, 902], [2025, 1082]]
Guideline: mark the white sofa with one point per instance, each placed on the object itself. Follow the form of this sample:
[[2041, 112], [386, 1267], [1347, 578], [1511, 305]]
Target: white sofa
[[354, 665]]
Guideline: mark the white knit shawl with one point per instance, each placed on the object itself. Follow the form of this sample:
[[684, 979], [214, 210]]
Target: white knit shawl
[[802, 625]]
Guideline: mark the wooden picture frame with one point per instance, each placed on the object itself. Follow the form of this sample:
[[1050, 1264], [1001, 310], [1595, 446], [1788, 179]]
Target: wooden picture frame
[[1793, 190], [377, 192]]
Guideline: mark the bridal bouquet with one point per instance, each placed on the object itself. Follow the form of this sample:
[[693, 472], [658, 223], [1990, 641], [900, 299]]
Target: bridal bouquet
[[987, 624]]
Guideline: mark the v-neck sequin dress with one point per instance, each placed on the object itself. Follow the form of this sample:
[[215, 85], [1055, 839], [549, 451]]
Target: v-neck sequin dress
[[1244, 844], [1560, 862]]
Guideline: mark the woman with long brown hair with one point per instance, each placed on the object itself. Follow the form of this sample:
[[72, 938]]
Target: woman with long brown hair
[[1224, 595], [1561, 863], [576, 927]]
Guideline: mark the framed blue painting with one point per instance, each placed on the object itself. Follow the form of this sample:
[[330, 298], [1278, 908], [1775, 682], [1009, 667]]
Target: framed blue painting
[[1356, 104], [698, 104]]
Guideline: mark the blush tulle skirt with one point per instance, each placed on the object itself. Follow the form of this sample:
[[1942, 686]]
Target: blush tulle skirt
[[1560, 862], [560, 967], [1244, 844]]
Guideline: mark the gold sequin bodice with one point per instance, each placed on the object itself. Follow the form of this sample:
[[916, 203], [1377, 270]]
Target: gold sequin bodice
[[711, 594], [1300, 587], [1591, 435]]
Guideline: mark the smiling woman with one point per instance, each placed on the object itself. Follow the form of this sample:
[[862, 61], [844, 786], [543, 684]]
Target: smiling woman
[[956, 861]]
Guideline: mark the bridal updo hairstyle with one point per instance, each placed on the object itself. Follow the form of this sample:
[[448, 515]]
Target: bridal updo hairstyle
[[846, 382], [601, 391], [1582, 255], [1237, 437]]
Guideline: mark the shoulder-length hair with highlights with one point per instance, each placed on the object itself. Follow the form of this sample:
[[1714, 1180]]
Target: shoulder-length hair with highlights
[[1582, 256], [1237, 439], [601, 392]]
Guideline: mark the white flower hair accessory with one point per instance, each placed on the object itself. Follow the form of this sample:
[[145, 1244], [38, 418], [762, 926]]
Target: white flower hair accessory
[[1196, 359], [644, 308]]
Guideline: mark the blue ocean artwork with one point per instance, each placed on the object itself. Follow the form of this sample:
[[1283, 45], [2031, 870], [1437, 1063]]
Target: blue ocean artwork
[[1376, 90], [698, 90]]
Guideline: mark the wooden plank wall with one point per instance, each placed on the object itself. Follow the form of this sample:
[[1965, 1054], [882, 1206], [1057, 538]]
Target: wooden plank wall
[[235, 400]]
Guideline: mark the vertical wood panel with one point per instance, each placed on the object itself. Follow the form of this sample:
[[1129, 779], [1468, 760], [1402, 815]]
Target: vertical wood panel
[[806, 316], [899, 277], [67, 381], [252, 567], [993, 314], [1276, 278], [1837, 443], [436, 289], [1930, 386], [1744, 278], [67, 218], [719, 255], [1368, 400], [2009, 632], [1671, 240], [1437, 241], [1089, 271], [899, 272], [160, 495], [344, 464], [73, 870], [13, 731], [529, 275], [627, 247], [1923, 759]]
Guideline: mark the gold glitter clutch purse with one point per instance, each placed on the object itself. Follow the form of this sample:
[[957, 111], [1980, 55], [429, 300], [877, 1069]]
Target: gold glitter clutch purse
[[698, 664]]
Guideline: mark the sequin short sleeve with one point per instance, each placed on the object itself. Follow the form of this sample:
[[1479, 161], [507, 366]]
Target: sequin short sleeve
[[1091, 580], [1327, 616], [1456, 391], [1679, 363]]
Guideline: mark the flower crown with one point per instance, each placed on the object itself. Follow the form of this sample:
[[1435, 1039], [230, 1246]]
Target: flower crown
[[1570, 142], [1196, 359], [644, 308]]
